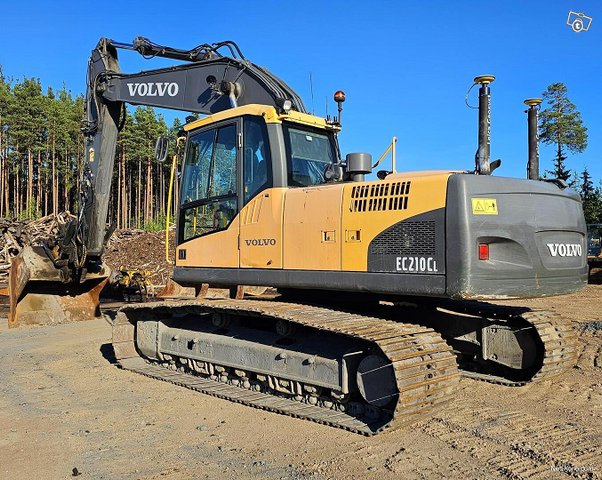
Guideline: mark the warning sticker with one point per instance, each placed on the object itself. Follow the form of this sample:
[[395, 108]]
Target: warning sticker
[[484, 206]]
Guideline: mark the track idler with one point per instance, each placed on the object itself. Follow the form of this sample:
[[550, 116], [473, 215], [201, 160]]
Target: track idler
[[39, 296], [505, 344]]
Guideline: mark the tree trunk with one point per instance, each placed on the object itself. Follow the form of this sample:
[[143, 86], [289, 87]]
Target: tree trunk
[[39, 185], [118, 211], [29, 197], [130, 201], [138, 209], [55, 193], [149, 191], [45, 193], [6, 187], [18, 192], [124, 201], [2, 187]]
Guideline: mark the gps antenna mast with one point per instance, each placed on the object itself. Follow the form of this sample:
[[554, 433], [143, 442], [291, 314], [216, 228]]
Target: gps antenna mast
[[532, 114], [483, 151]]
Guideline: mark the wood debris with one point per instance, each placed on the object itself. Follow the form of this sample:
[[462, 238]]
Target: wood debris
[[132, 249], [16, 234]]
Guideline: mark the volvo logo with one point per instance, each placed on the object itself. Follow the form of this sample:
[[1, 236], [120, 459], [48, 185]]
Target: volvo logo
[[564, 249], [260, 242], [154, 89]]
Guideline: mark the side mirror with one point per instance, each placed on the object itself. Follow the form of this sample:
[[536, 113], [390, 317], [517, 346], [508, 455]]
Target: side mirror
[[161, 148]]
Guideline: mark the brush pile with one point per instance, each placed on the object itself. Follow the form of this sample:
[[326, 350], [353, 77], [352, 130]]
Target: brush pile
[[134, 249], [130, 249]]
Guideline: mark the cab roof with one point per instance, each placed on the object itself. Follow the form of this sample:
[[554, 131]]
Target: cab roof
[[269, 114]]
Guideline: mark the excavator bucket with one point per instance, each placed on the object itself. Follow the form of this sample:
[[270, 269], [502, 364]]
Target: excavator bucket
[[38, 296]]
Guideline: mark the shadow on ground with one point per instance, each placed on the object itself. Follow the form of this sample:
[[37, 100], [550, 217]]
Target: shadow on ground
[[107, 352]]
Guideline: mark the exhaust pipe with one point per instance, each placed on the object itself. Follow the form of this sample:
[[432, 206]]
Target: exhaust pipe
[[533, 135], [482, 157]]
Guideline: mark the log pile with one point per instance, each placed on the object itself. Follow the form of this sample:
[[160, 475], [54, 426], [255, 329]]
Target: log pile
[[16, 234]]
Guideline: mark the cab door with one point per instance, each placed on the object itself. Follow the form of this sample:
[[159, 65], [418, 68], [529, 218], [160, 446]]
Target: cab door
[[261, 214], [208, 222]]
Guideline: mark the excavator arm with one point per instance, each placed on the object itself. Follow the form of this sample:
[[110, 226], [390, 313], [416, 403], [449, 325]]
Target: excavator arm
[[61, 280], [208, 83]]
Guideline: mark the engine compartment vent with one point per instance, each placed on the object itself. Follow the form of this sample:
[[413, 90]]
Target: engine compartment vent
[[406, 238], [380, 197]]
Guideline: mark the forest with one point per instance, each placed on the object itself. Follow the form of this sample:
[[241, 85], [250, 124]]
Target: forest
[[42, 150]]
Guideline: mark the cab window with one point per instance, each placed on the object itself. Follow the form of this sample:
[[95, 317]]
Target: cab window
[[257, 164], [310, 154], [208, 196]]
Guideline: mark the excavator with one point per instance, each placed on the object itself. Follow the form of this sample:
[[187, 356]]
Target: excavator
[[383, 284]]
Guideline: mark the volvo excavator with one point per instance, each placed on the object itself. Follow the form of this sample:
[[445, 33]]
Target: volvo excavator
[[383, 283]]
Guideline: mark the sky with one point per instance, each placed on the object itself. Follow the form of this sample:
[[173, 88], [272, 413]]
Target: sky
[[405, 66]]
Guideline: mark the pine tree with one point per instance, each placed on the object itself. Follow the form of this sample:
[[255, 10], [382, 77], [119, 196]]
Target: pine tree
[[5, 105], [591, 198], [561, 125]]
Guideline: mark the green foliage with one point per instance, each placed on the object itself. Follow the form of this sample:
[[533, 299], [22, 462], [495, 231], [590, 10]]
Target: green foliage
[[591, 197], [42, 151], [156, 224], [561, 125], [30, 213], [26, 115]]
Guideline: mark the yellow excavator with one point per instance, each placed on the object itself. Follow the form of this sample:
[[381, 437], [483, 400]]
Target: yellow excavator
[[382, 283]]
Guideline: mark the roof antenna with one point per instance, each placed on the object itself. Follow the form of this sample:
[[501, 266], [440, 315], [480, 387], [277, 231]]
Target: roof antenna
[[311, 88]]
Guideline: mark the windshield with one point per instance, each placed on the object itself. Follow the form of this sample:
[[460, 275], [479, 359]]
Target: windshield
[[311, 153]]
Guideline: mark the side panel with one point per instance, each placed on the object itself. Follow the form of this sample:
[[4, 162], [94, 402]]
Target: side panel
[[218, 249], [315, 247], [312, 228], [384, 283], [405, 214], [261, 230], [415, 246], [370, 208]]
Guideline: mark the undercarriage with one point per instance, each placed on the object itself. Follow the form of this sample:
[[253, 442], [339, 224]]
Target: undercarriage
[[338, 365]]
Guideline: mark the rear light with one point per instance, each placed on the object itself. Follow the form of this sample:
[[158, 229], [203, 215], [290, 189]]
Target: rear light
[[483, 251]]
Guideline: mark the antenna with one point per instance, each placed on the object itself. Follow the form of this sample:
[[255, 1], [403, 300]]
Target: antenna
[[533, 138], [311, 89], [483, 166]]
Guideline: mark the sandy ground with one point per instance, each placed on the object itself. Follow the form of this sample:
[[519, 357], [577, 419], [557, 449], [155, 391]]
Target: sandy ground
[[65, 405]]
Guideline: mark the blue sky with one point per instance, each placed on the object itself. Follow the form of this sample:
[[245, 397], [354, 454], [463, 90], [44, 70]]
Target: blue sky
[[405, 66]]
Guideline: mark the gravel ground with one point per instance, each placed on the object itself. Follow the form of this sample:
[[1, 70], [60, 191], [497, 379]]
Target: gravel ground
[[64, 405]]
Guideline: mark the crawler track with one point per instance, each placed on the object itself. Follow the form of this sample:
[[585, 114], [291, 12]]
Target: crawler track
[[425, 368], [557, 335]]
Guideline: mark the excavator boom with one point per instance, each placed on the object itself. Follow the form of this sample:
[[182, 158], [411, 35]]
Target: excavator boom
[[50, 282]]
